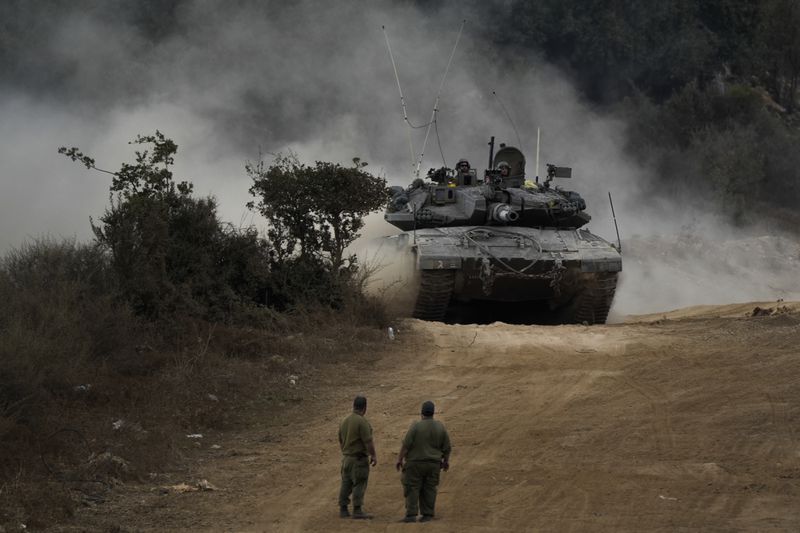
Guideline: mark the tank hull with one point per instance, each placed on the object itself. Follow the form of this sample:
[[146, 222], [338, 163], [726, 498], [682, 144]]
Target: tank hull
[[568, 275]]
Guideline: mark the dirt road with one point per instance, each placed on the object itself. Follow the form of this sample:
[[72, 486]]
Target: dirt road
[[682, 421]]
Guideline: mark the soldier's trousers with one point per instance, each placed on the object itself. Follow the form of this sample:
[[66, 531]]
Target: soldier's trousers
[[420, 480], [355, 474]]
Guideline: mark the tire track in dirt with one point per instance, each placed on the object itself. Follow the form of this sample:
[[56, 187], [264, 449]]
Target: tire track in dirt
[[682, 422], [534, 446]]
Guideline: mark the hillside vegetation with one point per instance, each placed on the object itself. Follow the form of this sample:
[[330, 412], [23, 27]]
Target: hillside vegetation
[[708, 88], [170, 322]]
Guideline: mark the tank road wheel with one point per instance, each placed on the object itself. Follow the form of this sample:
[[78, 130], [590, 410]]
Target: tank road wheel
[[435, 289], [591, 305]]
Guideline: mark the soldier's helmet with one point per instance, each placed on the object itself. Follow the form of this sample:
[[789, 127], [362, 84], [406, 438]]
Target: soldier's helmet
[[502, 164], [462, 164]]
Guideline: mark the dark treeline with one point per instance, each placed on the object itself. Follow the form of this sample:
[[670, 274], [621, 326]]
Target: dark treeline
[[709, 87], [620, 48]]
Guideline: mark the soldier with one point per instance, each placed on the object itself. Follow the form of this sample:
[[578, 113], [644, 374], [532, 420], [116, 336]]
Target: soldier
[[426, 451], [504, 168], [355, 440], [463, 175]]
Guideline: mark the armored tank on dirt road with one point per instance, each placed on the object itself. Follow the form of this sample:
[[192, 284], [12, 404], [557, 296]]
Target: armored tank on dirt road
[[503, 247]]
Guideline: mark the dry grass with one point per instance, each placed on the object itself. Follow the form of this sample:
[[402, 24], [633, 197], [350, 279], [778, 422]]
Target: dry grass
[[91, 396]]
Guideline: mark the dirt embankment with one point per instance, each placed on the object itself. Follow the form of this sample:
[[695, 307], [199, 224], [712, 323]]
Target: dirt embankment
[[683, 421]]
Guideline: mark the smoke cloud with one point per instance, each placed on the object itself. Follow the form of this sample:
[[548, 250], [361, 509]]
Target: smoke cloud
[[230, 82]]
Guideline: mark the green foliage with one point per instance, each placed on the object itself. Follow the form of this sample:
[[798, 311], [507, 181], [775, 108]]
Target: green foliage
[[305, 281], [614, 49], [720, 144], [170, 252], [172, 256], [779, 47], [733, 165], [692, 110], [315, 211], [688, 112]]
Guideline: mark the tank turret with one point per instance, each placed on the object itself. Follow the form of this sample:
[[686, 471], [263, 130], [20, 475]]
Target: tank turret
[[501, 196]]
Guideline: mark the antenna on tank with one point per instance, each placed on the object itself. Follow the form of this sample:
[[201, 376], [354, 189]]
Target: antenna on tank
[[510, 120], [538, 132], [614, 215], [402, 100], [438, 94]]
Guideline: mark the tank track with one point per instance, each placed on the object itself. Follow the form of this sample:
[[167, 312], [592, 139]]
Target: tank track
[[593, 303], [435, 290]]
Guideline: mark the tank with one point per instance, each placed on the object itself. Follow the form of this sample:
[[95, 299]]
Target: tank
[[503, 247]]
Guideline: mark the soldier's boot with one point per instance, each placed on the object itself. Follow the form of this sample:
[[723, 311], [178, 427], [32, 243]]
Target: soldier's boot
[[408, 519], [359, 514], [343, 512], [426, 518]]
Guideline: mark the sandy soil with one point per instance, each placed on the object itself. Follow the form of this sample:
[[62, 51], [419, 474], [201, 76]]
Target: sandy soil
[[687, 420]]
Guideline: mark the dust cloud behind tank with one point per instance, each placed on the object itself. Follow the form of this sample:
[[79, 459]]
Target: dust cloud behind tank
[[500, 246]]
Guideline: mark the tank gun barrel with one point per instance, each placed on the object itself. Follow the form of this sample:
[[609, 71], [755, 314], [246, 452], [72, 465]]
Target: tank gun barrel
[[504, 213]]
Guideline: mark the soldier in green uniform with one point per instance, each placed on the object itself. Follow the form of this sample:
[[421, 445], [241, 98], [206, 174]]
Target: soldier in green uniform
[[355, 440], [425, 451]]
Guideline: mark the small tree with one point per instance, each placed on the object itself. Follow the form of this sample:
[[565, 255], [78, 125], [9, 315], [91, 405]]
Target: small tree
[[732, 164], [315, 211], [169, 249]]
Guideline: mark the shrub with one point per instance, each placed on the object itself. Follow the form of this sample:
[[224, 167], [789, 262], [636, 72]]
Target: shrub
[[59, 319], [315, 211], [171, 253]]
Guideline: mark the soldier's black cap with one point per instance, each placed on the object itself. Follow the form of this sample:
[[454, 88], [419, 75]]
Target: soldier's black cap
[[427, 408], [359, 403]]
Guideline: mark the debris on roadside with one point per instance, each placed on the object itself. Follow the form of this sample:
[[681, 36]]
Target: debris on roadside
[[181, 488], [203, 484]]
